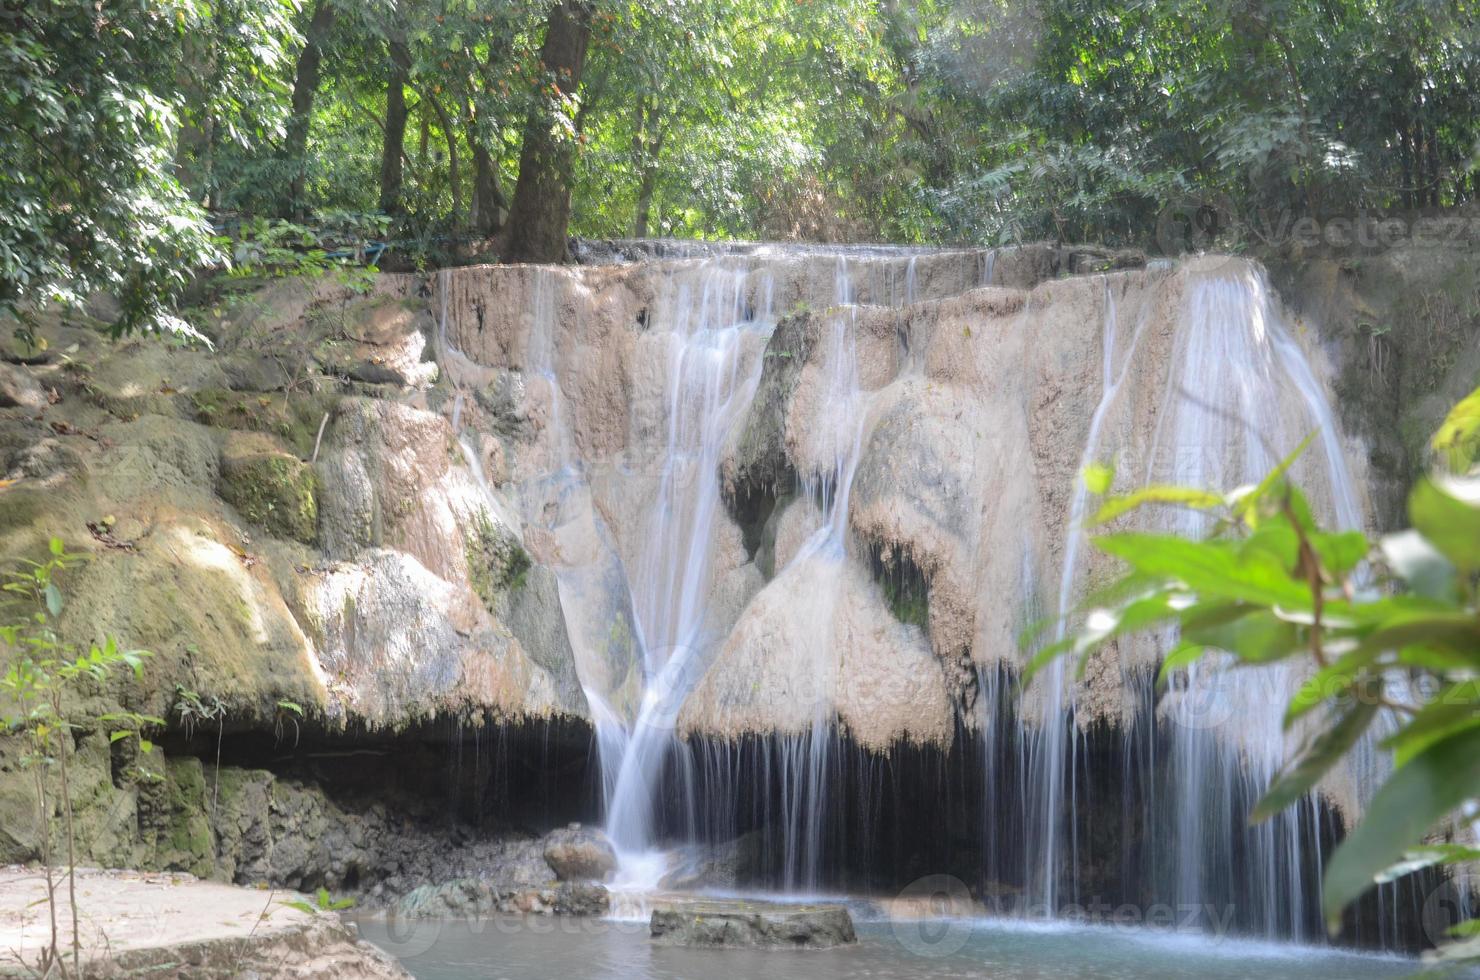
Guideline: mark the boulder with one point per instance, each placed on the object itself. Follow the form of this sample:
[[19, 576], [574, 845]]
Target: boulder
[[19, 390], [752, 924], [579, 853], [477, 897]]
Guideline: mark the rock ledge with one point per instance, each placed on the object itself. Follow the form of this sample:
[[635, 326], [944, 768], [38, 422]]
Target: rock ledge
[[173, 927]]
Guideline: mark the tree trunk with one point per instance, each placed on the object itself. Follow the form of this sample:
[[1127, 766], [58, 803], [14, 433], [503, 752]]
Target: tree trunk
[[454, 171], [393, 147], [646, 145], [647, 185], [305, 87], [486, 213], [483, 216], [540, 213]]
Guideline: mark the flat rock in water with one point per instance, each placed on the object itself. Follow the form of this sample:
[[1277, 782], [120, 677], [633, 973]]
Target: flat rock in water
[[752, 925]]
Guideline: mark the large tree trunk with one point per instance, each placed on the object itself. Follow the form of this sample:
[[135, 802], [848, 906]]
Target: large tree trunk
[[541, 208], [393, 148], [305, 87]]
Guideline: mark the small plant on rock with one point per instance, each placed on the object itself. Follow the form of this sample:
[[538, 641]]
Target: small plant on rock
[[322, 902], [44, 678]]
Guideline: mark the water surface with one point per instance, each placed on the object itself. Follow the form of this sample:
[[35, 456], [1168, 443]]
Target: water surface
[[541, 948]]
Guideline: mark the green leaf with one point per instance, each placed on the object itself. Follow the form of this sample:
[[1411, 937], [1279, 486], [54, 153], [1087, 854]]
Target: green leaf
[[1469, 927], [1341, 551], [1420, 858], [1211, 568], [1319, 755], [1445, 516], [119, 736], [1456, 709], [1098, 478], [1458, 438], [1276, 537], [53, 600], [1184, 654], [1102, 624], [1258, 637], [57, 547], [1454, 631], [1156, 494], [1432, 784], [1044, 657]]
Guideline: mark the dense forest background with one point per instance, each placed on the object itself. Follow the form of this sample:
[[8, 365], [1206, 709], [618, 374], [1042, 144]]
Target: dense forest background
[[146, 138]]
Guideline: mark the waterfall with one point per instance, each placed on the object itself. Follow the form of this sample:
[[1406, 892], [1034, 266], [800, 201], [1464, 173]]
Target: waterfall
[[710, 380], [818, 568], [1182, 374], [1053, 745], [1240, 393], [1243, 395]]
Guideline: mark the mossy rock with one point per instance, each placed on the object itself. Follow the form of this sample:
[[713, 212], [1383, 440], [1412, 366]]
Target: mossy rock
[[278, 491], [295, 420], [497, 563]]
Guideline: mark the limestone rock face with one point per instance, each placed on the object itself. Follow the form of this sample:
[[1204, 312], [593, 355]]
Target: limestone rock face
[[273, 530], [580, 854], [755, 925]]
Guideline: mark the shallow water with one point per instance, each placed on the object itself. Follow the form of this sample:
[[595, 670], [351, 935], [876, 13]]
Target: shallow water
[[575, 949]]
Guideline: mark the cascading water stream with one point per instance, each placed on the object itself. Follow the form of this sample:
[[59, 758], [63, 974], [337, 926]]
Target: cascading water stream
[[709, 387], [820, 563], [1243, 395], [1239, 394], [1052, 747]]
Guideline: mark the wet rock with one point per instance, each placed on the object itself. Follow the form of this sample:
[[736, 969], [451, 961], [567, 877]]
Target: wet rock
[[507, 404], [752, 924], [759, 460], [372, 373], [581, 898], [579, 853], [474, 897], [534, 615], [729, 865]]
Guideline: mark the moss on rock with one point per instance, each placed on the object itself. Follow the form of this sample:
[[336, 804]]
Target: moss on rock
[[497, 562], [276, 490], [295, 420]]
